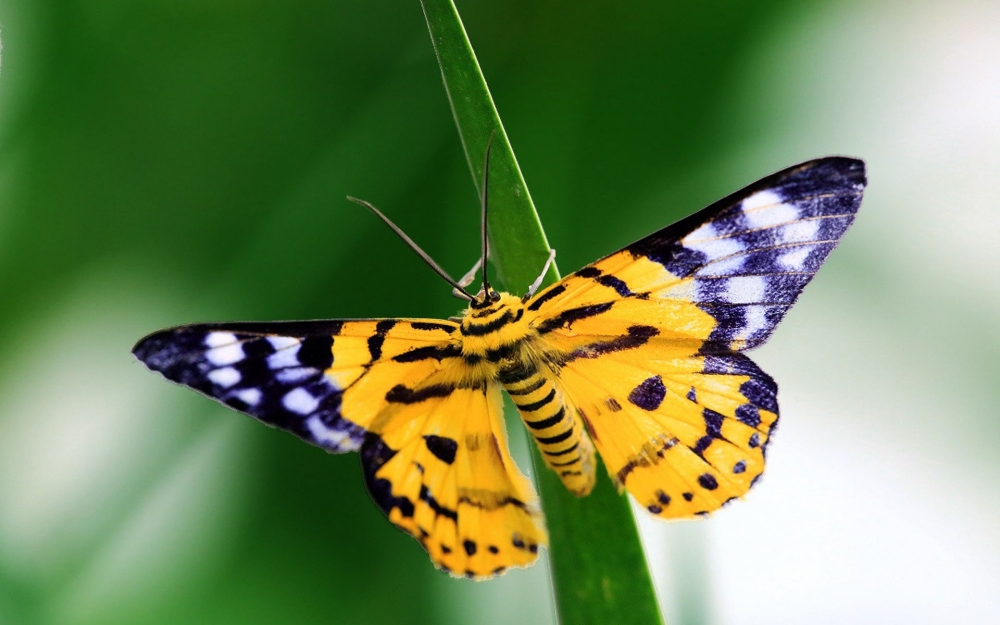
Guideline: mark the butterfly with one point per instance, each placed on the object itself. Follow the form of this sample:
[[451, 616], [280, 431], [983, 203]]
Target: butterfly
[[637, 357]]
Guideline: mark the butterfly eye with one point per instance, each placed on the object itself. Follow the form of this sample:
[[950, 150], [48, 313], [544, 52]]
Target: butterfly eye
[[494, 296]]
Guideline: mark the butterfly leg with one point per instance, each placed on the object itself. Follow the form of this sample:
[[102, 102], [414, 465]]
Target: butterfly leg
[[545, 269]]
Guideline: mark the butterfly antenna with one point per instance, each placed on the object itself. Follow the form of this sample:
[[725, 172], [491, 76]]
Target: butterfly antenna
[[416, 248], [486, 240]]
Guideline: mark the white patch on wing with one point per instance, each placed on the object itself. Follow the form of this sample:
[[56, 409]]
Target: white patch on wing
[[800, 231], [706, 239], [324, 435], [686, 290], [765, 209], [286, 357], [249, 396], [281, 342], [218, 339], [724, 267], [755, 320], [226, 355], [299, 400], [294, 374], [745, 289], [225, 377], [795, 259]]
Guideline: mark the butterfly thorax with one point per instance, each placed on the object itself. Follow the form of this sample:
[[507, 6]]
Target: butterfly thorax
[[500, 341]]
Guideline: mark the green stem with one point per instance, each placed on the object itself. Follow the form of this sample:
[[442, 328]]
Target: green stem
[[598, 568]]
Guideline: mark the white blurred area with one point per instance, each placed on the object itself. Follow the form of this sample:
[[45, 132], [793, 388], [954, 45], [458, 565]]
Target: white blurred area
[[881, 503], [104, 499]]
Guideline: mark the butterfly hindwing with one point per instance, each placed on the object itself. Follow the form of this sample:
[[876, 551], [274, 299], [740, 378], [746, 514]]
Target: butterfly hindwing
[[682, 433], [441, 470]]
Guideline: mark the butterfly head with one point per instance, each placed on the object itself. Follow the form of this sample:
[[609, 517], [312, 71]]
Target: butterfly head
[[486, 298], [497, 315]]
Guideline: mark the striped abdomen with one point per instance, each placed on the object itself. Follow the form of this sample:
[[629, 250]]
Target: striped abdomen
[[554, 424]]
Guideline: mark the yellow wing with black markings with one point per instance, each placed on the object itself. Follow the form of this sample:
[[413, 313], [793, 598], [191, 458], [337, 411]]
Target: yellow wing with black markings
[[429, 428], [645, 343]]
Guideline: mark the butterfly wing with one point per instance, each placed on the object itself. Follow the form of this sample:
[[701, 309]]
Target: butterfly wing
[[297, 375], [440, 470], [646, 341], [432, 442]]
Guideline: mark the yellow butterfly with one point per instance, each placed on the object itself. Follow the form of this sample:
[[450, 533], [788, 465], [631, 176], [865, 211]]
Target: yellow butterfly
[[637, 354]]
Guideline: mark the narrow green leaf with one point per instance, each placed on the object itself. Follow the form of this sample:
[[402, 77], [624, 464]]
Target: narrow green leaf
[[598, 567], [518, 247]]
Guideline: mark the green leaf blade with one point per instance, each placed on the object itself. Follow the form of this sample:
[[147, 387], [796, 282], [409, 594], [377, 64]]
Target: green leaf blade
[[598, 566], [518, 247]]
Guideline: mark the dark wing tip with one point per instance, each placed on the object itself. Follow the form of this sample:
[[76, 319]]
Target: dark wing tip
[[845, 170], [169, 352], [153, 350]]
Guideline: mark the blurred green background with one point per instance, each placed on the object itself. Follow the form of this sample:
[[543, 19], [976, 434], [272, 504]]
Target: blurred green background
[[164, 162]]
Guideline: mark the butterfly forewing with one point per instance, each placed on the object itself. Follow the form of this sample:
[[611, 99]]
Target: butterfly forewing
[[274, 372]]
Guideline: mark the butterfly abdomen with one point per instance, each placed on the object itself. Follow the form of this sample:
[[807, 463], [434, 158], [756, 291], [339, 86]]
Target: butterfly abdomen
[[553, 423]]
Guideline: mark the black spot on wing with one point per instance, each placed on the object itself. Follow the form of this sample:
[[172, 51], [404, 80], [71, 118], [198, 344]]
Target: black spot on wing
[[316, 352], [437, 352], [538, 301], [431, 325], [713, 423], [617, 284], [376, 340], [374, 454], [435, 505], [702, 444], [649, 394], [762, 392], [748, 414], [567, 317], [442, 447], [636, 337], [401, 394], [469, 546], [708, 481]]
